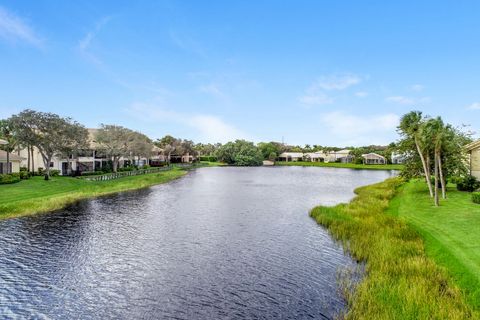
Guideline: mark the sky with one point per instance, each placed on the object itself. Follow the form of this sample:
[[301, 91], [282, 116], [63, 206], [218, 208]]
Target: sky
[[337, 73]]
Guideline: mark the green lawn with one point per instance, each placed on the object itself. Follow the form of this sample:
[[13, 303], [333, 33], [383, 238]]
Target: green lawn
[[401, 280], [37, 195], [451, 232], [342, 165]]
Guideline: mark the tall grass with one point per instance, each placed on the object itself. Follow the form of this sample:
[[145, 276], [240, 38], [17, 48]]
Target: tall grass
[[400, 281]]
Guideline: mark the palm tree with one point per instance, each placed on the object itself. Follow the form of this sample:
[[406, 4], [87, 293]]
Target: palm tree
[[411, 124]]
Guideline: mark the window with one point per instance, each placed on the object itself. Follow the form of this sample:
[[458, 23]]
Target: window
[[51, 164]]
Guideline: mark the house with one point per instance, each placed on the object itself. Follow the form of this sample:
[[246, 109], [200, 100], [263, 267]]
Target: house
[[473, 150], [291, 156], [398, 158], [373, 158], [315, 156], [14, 162], [343, 156]]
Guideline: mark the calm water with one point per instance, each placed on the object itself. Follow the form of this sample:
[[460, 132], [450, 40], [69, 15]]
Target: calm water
[[233, 243]]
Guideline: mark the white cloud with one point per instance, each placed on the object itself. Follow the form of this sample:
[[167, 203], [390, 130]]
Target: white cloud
[[407, 100], [13, 28], [85, 43], [360, 130], [209, 128], [213, 90], [315, 98], [361, 94], [337, 82], [417, 87], [474, 106]]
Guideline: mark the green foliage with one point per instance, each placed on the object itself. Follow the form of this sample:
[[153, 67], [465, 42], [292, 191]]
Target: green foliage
[[9, 178], [468, 183], [476, 197], [54, 172], [240, 153], [208, 158], [270, 150], [400, 282]]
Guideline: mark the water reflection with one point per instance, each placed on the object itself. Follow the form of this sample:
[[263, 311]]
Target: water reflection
[[219, 243]]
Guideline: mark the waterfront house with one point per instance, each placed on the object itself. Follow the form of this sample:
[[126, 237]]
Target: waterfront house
[[291, 156], [398, 158], [14, 162], [342, 156], [373, 158], [314, 156], [473, 150]]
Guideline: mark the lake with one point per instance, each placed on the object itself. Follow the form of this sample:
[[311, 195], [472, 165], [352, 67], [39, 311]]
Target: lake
[[220, 243]]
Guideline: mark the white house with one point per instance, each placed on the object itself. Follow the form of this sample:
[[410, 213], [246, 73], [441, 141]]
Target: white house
[[473, 150], [398, 158], [373, 158], [13, 163], [291, 156]]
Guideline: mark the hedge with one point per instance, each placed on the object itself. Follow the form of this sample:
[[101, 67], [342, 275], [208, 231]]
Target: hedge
[[9, 178], [476, 197]]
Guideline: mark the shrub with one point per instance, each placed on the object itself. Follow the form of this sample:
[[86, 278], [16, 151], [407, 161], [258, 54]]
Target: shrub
[[40, 171], [146, 166], [54, 173], [476, 197], [9, 178], [24, 174], [468, 183], [208, 158]]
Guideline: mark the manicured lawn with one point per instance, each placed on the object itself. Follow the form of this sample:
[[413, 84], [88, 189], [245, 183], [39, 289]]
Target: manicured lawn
[[37, 195], [451, 232], [342, 165], [401, 281]]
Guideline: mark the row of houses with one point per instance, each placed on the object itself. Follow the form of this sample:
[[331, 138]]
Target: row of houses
[[343, 156], [87, 160]]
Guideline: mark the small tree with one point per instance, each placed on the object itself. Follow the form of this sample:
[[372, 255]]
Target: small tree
[[7, 133], [115, 141]]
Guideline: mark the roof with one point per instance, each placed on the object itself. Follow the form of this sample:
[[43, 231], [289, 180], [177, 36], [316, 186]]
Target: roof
[[91, 138], [374, 155], [315, 155], [13, 156], [292, 154], [472, 146], [343, 151], [3, 141]]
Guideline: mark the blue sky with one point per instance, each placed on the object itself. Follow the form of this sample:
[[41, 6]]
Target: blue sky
[[317, 72]]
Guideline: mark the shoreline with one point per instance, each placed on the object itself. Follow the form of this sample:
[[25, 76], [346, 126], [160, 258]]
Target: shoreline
[[341, 165], [65, 191], [400, 281]]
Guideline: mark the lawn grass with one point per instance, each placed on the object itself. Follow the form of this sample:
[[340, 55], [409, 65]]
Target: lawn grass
[[341, 165], [451, 232], [400, 281], [37, 195]]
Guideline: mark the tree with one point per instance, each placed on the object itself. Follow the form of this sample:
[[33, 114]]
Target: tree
[[76, 138], [410, 126], [48, 132], [240, 153], [7, 133], [270, 150], [115, 141], [141, 145]]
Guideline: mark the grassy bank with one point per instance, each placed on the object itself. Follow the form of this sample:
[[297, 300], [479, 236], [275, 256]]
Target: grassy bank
[[401, 282], [37, 195], [342, 165], [451, 232]]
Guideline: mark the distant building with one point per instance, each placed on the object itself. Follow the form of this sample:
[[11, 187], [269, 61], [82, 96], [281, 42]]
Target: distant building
[[291, 156], [473, 150], [398, 158], [14, 162], [373, 158]]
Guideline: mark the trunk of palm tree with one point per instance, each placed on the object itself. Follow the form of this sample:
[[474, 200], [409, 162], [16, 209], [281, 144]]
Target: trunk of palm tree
[[28, 158], [442, 178], [429, 175], [426, 169], [436, 181], [8, 162], [33, 162]]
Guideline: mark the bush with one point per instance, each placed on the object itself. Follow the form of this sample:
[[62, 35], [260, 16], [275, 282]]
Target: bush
[[54, 173], [476, 197], [9, 178], [209, 158], [146, 166], [24, 174], [90, 173], [40, 172], [468, 183]]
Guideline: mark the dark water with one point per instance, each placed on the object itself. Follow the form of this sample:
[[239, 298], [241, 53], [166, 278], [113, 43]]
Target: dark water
[[233, 243]]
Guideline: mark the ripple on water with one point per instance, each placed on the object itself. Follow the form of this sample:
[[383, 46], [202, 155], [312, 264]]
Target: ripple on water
[[219, 243]]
